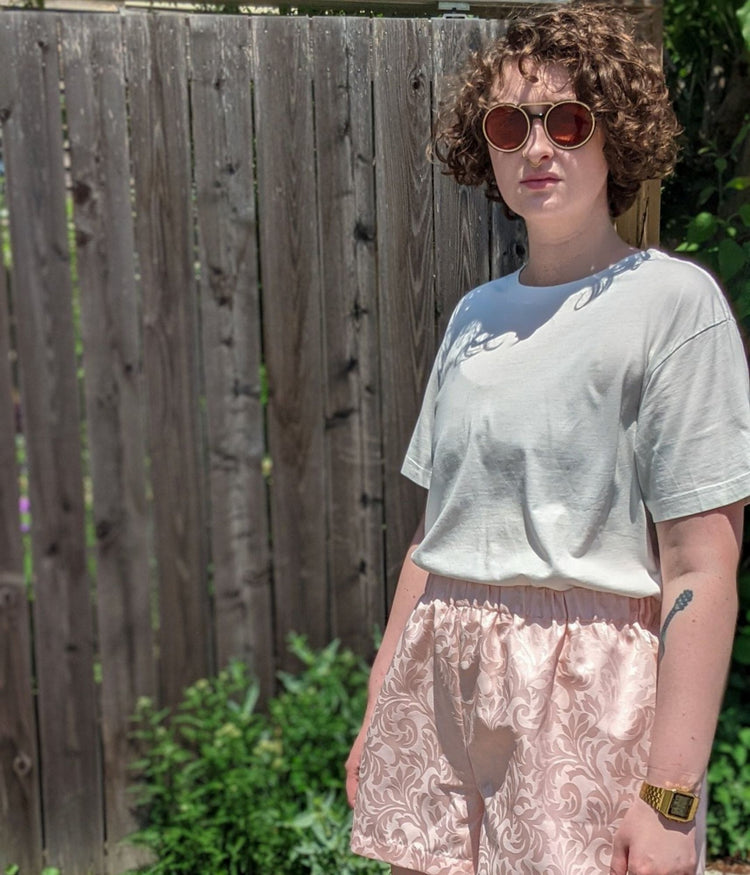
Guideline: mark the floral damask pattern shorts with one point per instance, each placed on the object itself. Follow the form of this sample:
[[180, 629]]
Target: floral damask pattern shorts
[[510, 731]]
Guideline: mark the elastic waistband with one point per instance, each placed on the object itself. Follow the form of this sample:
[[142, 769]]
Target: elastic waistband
[[542, 603]]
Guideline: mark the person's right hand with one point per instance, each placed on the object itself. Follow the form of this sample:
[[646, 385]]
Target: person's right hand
[[648, 844], [352, 765]]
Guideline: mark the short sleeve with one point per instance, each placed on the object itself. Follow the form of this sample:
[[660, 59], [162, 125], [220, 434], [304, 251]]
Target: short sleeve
[[693, 430], [417, 465]]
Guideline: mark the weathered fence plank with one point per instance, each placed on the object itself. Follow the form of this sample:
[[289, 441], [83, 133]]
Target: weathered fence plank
[[20, 813], [71, 778], [507, 235], [230, 305], [346, 218], [290, 272], [157, 79], [406, 262], [640, 224], [462, 215], [100, 177]]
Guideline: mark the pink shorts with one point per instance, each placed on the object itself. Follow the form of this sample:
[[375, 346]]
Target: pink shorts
[[511, 732]]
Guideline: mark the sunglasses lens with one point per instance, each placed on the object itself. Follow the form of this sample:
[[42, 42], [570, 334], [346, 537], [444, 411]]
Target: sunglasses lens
[[506, 127], [569, 124]]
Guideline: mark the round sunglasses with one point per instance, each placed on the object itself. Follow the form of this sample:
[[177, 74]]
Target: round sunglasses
[[568, 124]]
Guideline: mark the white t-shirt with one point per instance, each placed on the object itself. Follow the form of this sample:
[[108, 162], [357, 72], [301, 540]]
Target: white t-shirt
[[559, 422]]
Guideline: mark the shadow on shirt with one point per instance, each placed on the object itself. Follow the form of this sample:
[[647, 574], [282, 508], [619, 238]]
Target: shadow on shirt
[[501, 312]]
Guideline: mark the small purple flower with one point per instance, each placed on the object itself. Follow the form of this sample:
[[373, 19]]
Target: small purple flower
[[24, 506]]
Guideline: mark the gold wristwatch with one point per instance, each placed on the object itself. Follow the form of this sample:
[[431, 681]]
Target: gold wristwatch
[[679, 805]]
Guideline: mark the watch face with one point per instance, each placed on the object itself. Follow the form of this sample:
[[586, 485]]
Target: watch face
[[680, 805]]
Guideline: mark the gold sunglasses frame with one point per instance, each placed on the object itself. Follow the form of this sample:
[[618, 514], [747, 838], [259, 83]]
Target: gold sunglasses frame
[[530, 116]]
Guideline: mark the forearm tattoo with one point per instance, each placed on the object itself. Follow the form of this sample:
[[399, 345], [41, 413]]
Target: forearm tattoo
[[681, 602]]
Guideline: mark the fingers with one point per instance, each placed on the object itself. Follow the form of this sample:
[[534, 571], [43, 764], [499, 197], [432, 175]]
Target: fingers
[[619, 864], [352, 766], [352, 782], [352, 772]]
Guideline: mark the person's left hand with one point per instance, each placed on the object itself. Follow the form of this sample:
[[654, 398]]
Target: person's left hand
[[648, 844]]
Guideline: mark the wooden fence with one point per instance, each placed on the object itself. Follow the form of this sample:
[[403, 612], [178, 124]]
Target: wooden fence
[[230, 265]]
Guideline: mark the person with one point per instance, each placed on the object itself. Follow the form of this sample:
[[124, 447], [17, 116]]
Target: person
[[548, 684]]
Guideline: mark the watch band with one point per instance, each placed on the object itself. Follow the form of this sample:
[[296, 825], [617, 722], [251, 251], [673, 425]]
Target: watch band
[[679, 805]]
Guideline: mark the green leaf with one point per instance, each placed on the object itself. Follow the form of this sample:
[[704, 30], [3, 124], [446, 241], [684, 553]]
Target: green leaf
[[742, 306], [701, 228], [732, 258], [705, 193], [743, 13], [744, 214], [741, 649], [739, 183]]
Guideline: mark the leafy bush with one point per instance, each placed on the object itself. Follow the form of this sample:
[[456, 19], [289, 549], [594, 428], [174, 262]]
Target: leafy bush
[[720, 237], [729, 781], [729, 771], [706, 215], [227, 789]]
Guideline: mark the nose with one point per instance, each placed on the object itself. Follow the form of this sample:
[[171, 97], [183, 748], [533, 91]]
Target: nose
[[538, 148]]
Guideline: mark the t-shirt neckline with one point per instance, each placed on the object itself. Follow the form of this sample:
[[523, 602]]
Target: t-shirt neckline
[[639, 256]]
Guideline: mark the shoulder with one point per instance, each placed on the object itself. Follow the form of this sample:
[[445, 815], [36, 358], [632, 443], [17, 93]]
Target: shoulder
[[683, 290], [687, 311], [667, 302]]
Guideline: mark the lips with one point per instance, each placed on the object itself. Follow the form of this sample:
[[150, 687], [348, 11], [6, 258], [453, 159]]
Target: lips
[[539, 181]]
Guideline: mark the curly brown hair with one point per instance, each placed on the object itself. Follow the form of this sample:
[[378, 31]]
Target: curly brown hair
[[611, 71]]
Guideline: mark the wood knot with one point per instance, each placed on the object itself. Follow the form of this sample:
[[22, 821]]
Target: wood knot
[[22, 765], [358, 311], [103, 528], [363, 232], [82, 237], [81, 192], [339, 417]]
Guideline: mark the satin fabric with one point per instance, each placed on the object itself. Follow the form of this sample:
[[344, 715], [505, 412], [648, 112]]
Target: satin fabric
[[511, 732]]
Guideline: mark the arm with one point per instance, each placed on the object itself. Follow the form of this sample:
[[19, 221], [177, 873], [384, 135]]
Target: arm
[[410, 587], [699, 556]]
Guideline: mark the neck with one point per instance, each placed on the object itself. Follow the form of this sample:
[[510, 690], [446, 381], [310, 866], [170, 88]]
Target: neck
[[557, 256]]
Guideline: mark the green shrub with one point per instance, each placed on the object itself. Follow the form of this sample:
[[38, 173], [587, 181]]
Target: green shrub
[[717, 233], [729, 771], [729, 781], [720, 237], [226, 789]]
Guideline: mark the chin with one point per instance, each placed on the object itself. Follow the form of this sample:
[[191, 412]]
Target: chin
[[542, 211]]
